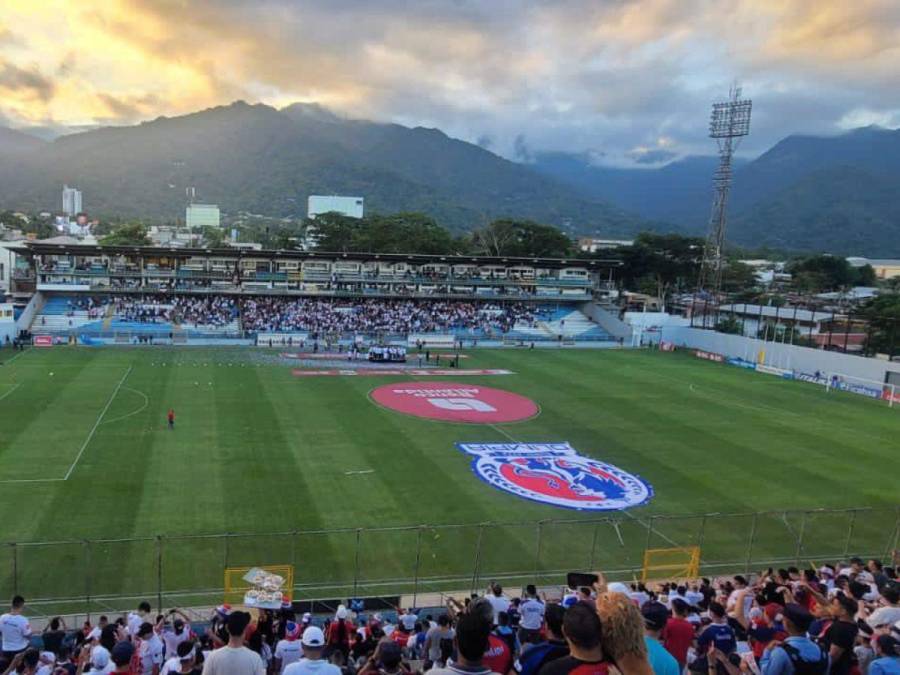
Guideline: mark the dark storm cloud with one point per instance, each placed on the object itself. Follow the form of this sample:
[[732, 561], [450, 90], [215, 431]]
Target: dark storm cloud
[[28, 82]]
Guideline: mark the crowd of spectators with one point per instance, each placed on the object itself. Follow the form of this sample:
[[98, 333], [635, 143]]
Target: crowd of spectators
[[193, 310], [277, 314], [836, 620]]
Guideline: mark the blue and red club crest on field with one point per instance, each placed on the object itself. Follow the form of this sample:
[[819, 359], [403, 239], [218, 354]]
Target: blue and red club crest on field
[[555, 474]]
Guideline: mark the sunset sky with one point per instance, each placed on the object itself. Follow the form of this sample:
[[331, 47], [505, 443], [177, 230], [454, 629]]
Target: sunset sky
[[629, 81]]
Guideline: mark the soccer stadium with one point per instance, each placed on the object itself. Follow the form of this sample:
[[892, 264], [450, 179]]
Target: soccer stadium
[[449, 337], [400, 427]]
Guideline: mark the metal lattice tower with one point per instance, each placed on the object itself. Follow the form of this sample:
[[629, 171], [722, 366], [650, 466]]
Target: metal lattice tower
[[728, 123]]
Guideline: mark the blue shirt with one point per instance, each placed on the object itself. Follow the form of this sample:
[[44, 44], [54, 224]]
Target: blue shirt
[[886, 665], [662, 662], [777, 662], [720, 634]]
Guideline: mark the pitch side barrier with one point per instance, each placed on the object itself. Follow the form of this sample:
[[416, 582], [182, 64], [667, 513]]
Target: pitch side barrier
[[101, 576]]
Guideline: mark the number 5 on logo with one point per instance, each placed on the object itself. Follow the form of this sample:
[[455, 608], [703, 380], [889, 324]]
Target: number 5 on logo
[[461, 404]]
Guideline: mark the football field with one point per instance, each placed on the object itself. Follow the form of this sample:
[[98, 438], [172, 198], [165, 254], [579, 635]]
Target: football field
[[311, 471]]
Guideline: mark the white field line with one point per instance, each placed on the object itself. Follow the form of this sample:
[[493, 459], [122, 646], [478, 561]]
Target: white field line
[[83, 445], [97, 423], [14, 387], [133, 412], [17, 356]]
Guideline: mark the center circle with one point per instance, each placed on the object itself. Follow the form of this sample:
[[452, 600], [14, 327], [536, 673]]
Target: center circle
[[455, 402]]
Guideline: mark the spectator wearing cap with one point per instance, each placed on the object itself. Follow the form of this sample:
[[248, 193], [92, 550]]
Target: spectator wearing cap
[[471, 642], [121, 656], [339, 631], [840, 635], [534, 656], [678, 635], [178, 632], [312, 663], [234, 658], [99, 661], [762, 624], [289, 649], [183, 661], [797, 654], [656, 616], [531, 616], [887, 653]]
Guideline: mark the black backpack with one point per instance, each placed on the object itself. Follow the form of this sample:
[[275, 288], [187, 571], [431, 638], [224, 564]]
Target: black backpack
[[803, 667]]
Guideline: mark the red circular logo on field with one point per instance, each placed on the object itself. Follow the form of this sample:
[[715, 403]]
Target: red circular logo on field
[[455, 402]]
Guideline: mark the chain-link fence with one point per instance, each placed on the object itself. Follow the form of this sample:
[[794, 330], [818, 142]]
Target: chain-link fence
[[96, 576]]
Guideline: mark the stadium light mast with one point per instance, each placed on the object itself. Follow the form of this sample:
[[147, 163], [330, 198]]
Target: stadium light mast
[[728, 123]]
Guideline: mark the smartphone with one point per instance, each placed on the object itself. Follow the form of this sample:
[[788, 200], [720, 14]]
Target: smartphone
[[579, 579]]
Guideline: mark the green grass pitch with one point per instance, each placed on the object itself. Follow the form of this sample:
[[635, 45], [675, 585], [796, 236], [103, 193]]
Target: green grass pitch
[[85, 454]]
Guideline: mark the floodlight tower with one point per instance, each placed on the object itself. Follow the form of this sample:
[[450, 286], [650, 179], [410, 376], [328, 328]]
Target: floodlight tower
[[728, 123]]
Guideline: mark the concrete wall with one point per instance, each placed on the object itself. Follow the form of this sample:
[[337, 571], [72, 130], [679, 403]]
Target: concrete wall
[[791, 357], [607, 321], [33, 307]]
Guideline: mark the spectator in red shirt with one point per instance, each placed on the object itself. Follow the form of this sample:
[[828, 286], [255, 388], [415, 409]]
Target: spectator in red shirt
[[678, 635]]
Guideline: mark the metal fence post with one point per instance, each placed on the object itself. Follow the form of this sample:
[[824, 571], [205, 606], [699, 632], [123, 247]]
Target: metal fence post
[[416, 569], [750, 542], [800, 538], [477, 557], [87, 578], [159, 571], [15, 568], [649, 533], [594, 545], [849, 533], [537, 550], [702, 533], [356, 561]]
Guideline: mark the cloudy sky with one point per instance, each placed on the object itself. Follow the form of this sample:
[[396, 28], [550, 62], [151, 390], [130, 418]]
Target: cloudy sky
[[629, 81]]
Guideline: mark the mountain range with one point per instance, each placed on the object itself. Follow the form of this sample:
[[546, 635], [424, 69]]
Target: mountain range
[[806, 193], [834, 194]]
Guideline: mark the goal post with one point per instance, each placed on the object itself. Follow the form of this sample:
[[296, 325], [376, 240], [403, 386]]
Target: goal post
[[670, 564], [885, 391]]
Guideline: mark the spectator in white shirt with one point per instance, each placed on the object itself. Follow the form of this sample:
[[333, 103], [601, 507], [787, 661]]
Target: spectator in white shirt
[[531, 616], [234, 658], [150, 649], [288, 650], [498, 601], [179, 632], [312, 663], [15, 629], [182, 661], [135, 619]]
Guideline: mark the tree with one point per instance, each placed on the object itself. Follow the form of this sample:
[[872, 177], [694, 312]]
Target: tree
[[213, 236], [730, 325], [823, 273], [335, 231], [130, 234], [521, 238], [738, 277], [883, 314], [671, 261]]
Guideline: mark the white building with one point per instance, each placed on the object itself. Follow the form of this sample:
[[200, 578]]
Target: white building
[[201, 215], [348, 206], [71, 201], [592, 245], [316, 205], [7, 262]]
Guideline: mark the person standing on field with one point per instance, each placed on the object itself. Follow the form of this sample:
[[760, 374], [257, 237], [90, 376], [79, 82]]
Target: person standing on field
[[171, 418]]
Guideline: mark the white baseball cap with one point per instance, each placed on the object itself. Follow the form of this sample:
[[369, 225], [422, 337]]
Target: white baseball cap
[[313, 637], [341, 612]]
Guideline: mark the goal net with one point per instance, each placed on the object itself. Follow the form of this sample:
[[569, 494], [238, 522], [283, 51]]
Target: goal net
[[885, 391]]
